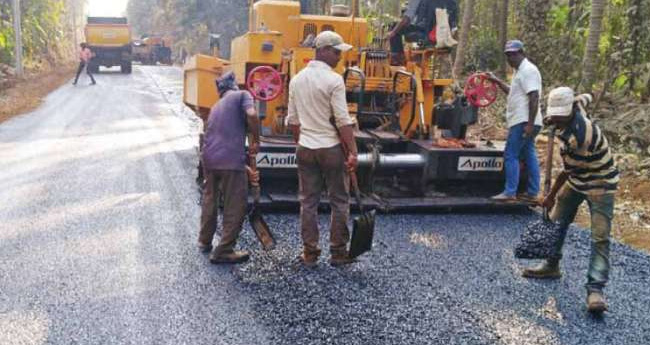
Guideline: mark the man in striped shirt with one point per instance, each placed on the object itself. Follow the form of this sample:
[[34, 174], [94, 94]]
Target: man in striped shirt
[[589, 174]]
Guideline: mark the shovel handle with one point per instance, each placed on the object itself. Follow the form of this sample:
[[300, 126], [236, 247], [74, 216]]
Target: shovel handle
[[355, 187], [252, 164], [550, 145], [548, 169]]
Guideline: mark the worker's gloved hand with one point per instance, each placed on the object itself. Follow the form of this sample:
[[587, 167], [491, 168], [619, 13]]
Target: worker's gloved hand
[[253, 176], [351, 163]]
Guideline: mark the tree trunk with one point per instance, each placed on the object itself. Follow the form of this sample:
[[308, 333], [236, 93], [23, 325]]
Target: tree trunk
[[503, 34], [593, 39], [357, 7], [466, 25], [397, 8], [534, 32], [636, 22]]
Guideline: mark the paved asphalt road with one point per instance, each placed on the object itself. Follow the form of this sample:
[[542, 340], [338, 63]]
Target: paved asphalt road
[[98, 221]]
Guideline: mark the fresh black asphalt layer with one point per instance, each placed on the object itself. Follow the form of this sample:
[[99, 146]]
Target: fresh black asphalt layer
[[442, 279], [98, 228]]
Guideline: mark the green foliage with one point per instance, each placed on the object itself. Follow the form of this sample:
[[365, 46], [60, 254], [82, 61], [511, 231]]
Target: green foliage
[[45, 29]]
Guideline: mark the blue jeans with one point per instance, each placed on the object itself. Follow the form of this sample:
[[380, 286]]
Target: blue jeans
[[518, 147]]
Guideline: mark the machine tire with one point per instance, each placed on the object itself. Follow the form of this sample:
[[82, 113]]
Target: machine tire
[[94, 68]]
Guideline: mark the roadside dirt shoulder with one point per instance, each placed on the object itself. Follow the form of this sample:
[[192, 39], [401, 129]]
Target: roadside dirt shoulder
[[26, 94]]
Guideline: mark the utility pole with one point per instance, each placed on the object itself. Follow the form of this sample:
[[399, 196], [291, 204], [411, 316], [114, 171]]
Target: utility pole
[[19, 39], [74, 26]]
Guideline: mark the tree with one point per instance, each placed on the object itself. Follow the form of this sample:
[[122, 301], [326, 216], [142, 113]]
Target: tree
[[468, 14], [534, 33], [503, 33], [593, 40]]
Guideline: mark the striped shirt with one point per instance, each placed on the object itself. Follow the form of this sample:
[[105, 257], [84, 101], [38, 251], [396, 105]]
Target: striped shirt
[[587, 158]]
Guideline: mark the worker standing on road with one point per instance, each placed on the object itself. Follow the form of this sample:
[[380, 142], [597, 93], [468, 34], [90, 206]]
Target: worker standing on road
[[85, 57], [524, 120], [224, 159], [589, 174], [316, 99]]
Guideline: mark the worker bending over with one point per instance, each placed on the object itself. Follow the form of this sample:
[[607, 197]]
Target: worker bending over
[[589, 174]]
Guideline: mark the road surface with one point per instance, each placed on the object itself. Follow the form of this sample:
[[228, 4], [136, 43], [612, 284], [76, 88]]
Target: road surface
[[98, 222]]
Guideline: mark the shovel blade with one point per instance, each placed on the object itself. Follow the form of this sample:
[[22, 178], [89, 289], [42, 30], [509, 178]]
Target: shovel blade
[[262, 230], [363, 229]]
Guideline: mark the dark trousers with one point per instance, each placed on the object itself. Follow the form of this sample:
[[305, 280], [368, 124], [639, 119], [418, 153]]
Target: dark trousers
[[412, 34], [82, 65], [319, 169], [230, 186], [601, 208]]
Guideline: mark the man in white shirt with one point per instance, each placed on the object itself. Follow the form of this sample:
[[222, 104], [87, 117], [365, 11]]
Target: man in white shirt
[[316, 97], [524, 119]]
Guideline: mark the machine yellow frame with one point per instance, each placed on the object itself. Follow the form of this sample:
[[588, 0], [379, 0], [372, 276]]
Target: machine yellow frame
[[276, 38]]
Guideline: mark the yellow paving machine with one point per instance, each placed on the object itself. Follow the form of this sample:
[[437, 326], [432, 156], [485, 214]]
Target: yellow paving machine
[[411, 121]]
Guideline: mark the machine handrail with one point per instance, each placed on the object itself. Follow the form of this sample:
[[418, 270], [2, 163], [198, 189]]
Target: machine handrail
[[413, 89], [362, 78]]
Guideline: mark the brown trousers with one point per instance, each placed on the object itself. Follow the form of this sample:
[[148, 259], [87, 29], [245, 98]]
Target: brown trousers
[[317, 168], [231, 186]]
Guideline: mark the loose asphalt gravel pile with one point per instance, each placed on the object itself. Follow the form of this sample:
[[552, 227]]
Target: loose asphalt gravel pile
[[441, 279]]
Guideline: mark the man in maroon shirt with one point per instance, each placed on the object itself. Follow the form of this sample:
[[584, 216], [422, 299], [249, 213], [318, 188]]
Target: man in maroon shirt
[[224, 160]]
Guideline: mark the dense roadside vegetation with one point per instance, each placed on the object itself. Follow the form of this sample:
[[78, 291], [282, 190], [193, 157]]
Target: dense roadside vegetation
[[556, 33], [48, 31]]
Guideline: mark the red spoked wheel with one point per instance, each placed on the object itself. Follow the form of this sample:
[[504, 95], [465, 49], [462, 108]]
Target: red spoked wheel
[[480, 91], [264, 83]]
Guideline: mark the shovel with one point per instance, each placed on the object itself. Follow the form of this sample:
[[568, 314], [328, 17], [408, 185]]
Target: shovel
[[261, 229], [363, 226]]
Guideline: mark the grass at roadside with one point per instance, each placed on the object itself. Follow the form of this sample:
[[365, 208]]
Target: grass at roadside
[[27, 93]]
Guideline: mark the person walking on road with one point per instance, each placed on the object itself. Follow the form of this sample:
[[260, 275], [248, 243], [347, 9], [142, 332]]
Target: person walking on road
[[318, 112], [589, 174], [224, 158], [85, 57], [524, 120]]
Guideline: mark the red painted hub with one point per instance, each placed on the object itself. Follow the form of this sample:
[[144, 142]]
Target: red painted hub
[[264, 83], [480, 91]]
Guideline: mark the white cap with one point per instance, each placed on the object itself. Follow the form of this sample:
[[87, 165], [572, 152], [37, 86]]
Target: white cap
[[560, 102], [331, 39]]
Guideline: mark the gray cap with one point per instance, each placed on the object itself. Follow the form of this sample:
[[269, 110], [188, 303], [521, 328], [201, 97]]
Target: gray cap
[[331, 39], [514, 46]]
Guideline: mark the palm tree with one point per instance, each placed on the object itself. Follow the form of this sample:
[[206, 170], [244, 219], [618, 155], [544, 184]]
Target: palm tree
[[591, 50], [468, 14]]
